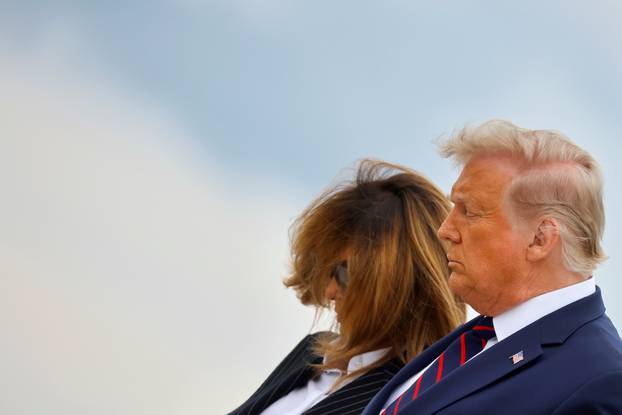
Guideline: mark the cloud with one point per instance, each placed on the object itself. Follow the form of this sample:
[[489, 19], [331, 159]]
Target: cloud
[[137, 274]]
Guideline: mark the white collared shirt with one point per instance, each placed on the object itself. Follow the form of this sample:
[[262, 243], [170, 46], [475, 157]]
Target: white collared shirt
[[301, 399], [517, 318]]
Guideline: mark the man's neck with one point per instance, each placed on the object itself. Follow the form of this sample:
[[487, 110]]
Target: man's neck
[[533, 309], [539, 282]]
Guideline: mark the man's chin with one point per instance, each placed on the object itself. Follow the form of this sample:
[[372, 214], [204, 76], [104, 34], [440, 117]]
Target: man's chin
[[457, 285]]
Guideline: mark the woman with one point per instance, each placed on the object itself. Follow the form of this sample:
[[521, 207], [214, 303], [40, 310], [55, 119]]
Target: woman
[[370, 248]]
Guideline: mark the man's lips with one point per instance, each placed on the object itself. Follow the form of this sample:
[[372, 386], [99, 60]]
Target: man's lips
[[451, 260]]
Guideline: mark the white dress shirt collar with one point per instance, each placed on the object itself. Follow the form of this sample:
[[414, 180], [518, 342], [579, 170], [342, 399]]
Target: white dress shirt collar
[[301, 399], [524, 314], [362, 360]]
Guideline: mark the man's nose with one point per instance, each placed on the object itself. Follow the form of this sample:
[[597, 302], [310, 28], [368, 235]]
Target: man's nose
[[447, 231]]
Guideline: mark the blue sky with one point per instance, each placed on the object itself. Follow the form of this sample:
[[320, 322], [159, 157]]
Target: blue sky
[[286, 86], [154, 154]]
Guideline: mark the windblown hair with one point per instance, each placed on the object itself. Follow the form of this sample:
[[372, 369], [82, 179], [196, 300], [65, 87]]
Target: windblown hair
[[557, 179], [384, 225]]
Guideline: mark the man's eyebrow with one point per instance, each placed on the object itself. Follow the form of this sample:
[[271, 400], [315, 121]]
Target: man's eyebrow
[[456, 196]]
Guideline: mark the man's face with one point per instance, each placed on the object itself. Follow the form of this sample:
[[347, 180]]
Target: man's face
[[486, 253]]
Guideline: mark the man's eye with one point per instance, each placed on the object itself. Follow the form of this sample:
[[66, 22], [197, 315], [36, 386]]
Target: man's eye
[[467, 212]]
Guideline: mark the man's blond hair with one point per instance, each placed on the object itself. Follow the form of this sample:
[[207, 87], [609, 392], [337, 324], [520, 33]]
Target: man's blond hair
[[557, 179]]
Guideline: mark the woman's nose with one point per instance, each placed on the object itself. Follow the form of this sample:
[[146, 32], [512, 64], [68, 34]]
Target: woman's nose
[[332, 290]]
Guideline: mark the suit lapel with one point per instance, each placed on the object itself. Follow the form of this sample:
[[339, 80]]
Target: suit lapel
[[415, 366], [497, 361], [296, 376], [482, 370], [358, 392]]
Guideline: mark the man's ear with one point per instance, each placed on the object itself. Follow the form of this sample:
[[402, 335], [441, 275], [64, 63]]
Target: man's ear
[[545, 239]]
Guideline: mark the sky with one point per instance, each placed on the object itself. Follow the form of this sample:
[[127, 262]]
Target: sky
[[153, 156]]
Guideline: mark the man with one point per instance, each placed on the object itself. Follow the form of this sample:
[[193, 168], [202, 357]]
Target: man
[[523, 240]]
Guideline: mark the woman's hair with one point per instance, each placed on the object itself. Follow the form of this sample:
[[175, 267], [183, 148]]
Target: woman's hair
[[557, 179], [383, 224]]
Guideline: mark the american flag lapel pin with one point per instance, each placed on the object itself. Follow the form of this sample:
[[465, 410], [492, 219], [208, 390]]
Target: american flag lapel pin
[[517, 357]]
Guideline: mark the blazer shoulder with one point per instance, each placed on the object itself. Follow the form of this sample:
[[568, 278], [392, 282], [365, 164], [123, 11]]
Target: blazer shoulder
[[307, 342], [294, 367], [599, 395], [303, 351], [319, 334]]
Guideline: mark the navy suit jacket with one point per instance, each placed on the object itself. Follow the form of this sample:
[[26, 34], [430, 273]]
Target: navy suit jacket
[[296, 370], [572, 365]]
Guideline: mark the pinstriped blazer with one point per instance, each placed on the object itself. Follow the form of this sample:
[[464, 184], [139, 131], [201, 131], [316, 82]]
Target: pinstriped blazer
[[294, 372]]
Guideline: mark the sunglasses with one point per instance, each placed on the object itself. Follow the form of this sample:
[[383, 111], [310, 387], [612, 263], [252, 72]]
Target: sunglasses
[[340, 274]]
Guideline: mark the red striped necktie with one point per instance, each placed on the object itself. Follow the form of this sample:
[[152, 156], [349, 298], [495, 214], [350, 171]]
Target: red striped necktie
[[470, 343]]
